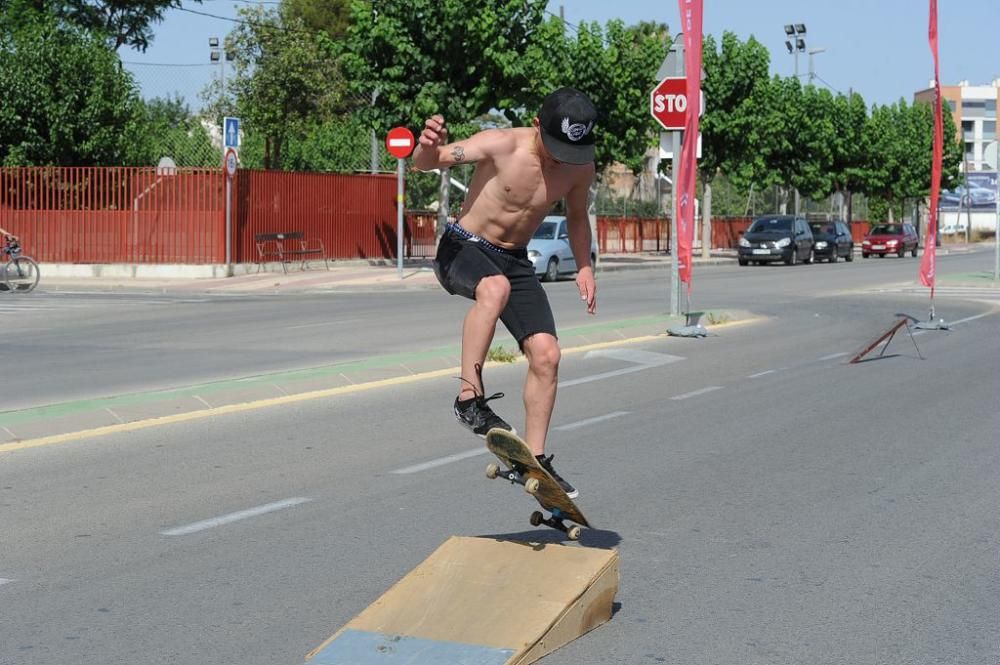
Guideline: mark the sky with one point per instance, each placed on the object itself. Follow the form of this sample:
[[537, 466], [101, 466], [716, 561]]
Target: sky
[[878, 48]]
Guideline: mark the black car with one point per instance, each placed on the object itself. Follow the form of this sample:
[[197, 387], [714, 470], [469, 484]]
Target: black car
[[833, 241], [776, 238]]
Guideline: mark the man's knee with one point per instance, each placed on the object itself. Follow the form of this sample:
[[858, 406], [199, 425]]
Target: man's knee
[[493, 292], [542, 350]]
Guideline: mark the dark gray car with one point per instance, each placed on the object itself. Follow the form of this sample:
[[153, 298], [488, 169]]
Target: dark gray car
[[832, 241], [776, 238]]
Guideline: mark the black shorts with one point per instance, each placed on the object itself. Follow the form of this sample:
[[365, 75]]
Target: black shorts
[[463, 259]]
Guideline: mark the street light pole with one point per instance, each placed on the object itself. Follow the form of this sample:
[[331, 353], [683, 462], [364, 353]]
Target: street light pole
[[796, 43], [216, 55], [812, 71]]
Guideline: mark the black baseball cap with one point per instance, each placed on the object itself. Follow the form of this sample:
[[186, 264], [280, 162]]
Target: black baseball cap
[[567, 123]]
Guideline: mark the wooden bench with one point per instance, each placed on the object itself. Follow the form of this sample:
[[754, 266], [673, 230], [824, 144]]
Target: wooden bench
[[286, 247]]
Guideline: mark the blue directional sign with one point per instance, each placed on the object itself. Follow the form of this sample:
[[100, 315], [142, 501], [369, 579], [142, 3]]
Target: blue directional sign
[[231, 132]]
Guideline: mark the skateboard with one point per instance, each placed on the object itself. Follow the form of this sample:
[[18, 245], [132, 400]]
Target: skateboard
[[537, 482]]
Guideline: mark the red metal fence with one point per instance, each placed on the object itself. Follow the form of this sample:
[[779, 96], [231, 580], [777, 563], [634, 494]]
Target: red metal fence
[[142, 215], [354, 215], [115, 215]]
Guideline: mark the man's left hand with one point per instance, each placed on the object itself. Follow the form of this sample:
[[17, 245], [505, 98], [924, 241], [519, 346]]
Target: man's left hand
[[588, 288]]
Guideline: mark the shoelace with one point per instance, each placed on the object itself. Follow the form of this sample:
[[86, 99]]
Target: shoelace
[[481, 399]]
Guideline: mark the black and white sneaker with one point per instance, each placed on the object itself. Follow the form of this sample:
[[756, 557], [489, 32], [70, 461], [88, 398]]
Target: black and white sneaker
[[476, 414], [546, 463]]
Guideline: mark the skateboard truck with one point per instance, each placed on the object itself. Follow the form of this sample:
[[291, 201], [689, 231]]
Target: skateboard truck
[[530, 485], [556, 522]]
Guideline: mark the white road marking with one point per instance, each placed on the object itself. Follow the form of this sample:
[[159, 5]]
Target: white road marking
[[589, 421], [4, 580], [834, 355], [637, 356], [644, 360], [760, 374], [441, 461], [234, 517], [972, 318], [695, 393]]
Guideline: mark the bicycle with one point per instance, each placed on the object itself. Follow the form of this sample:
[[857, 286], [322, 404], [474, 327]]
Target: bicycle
[[20, 273]]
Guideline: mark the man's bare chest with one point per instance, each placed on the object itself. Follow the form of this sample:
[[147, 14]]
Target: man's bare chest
[[530, 188]]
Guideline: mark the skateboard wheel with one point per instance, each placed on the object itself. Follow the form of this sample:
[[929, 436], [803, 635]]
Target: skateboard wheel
[[573, 533], [531, 485], [492, 471], [536, 518]]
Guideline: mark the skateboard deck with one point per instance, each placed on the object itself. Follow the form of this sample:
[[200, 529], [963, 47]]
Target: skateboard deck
[[511, 451]]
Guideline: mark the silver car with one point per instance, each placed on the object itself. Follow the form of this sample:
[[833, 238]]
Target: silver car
[[549, 249]]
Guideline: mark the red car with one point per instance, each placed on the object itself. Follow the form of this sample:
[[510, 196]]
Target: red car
[[885, 239]]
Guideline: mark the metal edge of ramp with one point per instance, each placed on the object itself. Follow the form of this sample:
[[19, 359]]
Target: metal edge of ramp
[[482, 601]]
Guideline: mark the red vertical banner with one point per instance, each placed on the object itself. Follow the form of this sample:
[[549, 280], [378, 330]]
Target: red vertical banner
[[928, 263], [684, 188]]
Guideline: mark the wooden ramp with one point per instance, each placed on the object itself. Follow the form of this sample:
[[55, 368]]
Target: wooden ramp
[[479, 601]]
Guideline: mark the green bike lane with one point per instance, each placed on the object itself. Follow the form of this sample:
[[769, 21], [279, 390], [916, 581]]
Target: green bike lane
[[84, 418]]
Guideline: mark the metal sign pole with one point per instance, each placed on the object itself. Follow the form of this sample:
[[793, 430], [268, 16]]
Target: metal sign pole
[[675, 271], [399, 216], [677, 139], [229, 227]]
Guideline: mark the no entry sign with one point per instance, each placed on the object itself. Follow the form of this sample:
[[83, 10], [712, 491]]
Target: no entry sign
[[400, 142], [668, 102]]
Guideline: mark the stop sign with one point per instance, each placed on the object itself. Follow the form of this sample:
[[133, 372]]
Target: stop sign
[[400, 142], [668, 102]]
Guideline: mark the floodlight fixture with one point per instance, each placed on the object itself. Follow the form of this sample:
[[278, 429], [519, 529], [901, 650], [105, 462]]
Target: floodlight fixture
[[789, 30], [800, 28]]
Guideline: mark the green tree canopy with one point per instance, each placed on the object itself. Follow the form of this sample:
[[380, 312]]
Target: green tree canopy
[[67, 100], [117, 22], [285, 76], [735, 74]]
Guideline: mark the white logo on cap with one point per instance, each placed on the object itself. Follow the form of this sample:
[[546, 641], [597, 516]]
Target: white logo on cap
[[576, 131]]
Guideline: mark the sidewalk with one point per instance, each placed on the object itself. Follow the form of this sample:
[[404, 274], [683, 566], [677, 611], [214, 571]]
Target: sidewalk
[[355, 275], [342, 276]]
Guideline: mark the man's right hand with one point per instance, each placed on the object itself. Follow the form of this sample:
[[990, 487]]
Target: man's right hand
[[435, 132]]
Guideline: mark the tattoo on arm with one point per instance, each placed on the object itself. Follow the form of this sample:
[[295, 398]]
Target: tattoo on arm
[[458, 153]]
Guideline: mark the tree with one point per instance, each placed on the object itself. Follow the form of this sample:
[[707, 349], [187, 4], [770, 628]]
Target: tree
[[733, 76], [899, 164], [118, 22], [616, 67], [850, 147], [67, 100], [283, 76], [173, 131], [332, 17], [460, 58]]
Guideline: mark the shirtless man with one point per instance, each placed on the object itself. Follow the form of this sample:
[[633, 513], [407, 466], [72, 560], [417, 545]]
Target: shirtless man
[[520, 173], [4, 233]]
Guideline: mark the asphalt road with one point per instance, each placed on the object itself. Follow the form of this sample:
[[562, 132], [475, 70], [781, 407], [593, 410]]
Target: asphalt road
[[771, 503], [73, 346]]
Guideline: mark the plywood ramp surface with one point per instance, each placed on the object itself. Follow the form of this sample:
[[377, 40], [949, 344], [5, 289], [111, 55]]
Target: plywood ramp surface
[[483, 601]]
